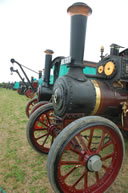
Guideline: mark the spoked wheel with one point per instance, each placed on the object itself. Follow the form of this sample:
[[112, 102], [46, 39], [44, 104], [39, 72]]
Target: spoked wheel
[[29, 106], [40, 129], [37, 105], [86, 156]]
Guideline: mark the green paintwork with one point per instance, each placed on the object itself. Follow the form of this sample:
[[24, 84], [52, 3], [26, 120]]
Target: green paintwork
[[86, 70], [89, 70], [40, 81], [64, 70], [16, 85]]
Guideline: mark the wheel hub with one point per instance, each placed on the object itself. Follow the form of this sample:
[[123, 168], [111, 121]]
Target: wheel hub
[[94, 163], [51, 129]]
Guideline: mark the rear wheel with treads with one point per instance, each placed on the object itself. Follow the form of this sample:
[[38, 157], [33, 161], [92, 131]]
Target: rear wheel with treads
[[86, 156]]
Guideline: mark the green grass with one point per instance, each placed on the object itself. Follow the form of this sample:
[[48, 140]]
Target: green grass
[[21, 168]]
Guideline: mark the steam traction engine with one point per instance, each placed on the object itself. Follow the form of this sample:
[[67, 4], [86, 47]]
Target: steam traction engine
[[31, 86], [87, 154], [59, 69], [22, 84], [39, 135], [81, 127]]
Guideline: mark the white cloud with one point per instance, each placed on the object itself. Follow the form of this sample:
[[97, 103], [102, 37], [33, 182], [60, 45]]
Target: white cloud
[[28, 27]]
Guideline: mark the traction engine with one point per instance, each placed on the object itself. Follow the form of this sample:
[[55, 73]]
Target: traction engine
[[81, 128], [31, 86], [88, 152], [22, 85], [59, 68]]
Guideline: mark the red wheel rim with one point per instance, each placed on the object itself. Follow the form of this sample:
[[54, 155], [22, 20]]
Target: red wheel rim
[[30, 105], [39, 105], [42, 131], [73, 168]]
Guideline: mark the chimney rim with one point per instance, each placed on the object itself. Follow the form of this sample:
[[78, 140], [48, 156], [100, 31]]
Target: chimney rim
[[49, 52], [79, 9]]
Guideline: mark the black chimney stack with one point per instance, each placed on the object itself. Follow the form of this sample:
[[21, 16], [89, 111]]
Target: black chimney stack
[[114, 49], [32, 79], [48, 60], [79, 13], [40, 74]]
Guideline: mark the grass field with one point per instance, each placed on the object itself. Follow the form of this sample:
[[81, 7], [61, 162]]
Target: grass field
[[22, 170]]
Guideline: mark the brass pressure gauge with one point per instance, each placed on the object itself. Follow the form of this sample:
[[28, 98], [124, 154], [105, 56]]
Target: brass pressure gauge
[[100, 69], [109, 68]]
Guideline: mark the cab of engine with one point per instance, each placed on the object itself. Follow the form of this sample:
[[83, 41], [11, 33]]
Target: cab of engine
[[114, 67]]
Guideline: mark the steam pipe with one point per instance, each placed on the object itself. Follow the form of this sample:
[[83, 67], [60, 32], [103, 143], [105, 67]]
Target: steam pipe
[[40, 74], [48, 61], [79, 13]]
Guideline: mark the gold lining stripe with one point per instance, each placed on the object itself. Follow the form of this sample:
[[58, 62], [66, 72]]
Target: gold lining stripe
[[98, 97]]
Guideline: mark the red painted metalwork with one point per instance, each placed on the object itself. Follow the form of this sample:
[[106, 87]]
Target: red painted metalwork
[[73, 172], [111, 97], [35, 84], [29, 93]]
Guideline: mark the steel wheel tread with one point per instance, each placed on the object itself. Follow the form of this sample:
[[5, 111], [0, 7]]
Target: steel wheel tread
[[37, 105], [29, 129], [65, 136]]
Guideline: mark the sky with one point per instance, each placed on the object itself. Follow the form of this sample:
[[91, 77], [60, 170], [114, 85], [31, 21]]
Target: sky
[[29, 27]]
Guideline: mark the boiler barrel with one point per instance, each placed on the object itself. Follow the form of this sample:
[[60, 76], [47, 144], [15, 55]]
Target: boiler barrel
[[89, 97]]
